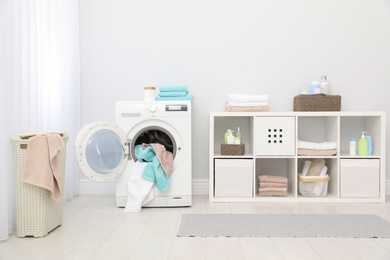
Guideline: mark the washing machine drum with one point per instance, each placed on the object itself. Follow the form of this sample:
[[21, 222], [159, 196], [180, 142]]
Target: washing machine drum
[[101, 151]]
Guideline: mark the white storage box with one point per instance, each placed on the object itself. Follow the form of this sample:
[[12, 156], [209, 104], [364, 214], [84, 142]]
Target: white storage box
[[359, 178], [36, 212], [313, 186], [233, 178], [275, 135]]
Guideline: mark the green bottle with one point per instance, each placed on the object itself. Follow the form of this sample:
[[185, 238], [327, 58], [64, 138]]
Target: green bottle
[[363, 145]]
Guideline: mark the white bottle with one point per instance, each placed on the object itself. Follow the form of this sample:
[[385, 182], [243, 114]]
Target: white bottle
[[352, 146], [237, 139], [325, 85], [230, 138]]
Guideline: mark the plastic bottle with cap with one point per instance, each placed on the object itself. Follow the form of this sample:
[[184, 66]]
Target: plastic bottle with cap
[[237, 138], [325, 85], [352, 146], [363, 145]]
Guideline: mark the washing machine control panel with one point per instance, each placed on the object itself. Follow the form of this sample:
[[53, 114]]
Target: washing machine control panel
[[176, 107], [153, 109]]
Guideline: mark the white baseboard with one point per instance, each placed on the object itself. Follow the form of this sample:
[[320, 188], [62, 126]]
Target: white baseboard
[[199, 187], [96, 188]]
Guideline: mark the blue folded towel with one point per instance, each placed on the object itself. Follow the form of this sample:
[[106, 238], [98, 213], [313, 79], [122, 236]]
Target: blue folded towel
[[172, 88], [173, 94], [187, 97]]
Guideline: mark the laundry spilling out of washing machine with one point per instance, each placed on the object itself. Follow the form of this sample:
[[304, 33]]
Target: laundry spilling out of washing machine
[[106, 151]]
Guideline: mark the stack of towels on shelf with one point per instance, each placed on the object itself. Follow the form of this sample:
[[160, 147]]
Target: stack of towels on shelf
[[246, 103], [312, 149], [313, 168], [174, 93], [270, 185]]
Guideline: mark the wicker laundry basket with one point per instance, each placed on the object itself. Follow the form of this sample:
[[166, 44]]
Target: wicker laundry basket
[[36, 212]]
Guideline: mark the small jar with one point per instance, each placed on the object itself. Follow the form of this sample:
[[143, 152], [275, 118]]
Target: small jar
[[315, 88], [149, 94]]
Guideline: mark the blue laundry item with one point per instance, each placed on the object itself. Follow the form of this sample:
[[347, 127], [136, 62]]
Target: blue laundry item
[[153, 171], [172, 88], [187, 97], [173, 94]]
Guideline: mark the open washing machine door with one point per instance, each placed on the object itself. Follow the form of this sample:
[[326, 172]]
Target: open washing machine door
[[102, 151]]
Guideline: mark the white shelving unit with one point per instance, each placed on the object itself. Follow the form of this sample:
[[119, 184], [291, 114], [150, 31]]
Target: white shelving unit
[[270, 140]]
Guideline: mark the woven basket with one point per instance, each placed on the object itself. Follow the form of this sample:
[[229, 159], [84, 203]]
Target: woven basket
[[36, 212], [232, 149], [317, 103]]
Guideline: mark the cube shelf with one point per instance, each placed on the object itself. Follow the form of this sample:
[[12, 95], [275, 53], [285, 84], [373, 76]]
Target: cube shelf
[[271, 140]]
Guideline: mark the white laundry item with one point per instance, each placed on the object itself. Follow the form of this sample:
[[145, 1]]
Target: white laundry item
[[247, 104], [320, 184], [317, 146], [247, 98], [306, 167], [140, 190]]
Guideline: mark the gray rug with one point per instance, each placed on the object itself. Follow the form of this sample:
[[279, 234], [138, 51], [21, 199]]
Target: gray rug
[[283, 225]]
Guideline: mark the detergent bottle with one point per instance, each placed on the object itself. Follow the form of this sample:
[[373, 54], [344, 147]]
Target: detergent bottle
[[363, 145]]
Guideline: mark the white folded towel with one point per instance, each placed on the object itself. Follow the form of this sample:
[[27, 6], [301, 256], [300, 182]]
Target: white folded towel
[[247, 98], [317, 146], [246, 104]]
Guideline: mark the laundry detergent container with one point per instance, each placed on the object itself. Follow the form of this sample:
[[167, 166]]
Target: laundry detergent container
[[37, 213]]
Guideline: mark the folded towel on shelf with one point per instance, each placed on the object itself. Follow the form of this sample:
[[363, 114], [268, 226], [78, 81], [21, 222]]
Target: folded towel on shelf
[[172, 88], [272, 178], [247, 104], [273, 193], [43, 163], [273, 189], [272, 185], [316, 146], [310, 152], [246, 109], [173, 94], [187, 97], [247, 98]]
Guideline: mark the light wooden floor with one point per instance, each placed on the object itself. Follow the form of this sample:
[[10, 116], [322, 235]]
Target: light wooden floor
[[94, 228]]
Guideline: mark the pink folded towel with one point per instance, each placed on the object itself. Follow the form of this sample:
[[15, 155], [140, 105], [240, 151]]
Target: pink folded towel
[[247, 109], [43, 163], [272, 178], [273, 193]]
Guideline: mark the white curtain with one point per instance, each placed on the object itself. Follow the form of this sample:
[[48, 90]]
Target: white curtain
[[40, 84]]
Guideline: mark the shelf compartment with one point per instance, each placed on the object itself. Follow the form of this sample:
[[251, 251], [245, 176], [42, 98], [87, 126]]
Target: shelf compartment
[[221, 124], [353, 126], [284, 167]]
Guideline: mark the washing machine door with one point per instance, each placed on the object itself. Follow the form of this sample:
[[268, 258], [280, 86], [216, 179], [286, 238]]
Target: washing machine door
[[101, 151]]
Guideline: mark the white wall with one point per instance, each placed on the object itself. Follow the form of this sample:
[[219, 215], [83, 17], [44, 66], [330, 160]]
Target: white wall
[[217, 47]]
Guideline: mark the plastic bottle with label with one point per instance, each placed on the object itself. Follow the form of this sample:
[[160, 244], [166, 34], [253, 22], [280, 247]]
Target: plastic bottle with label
[[363, 145], [237, 138], [325, 85], [352, 146]]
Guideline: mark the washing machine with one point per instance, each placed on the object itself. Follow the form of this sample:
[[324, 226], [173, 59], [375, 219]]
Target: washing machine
[[105, 150]]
